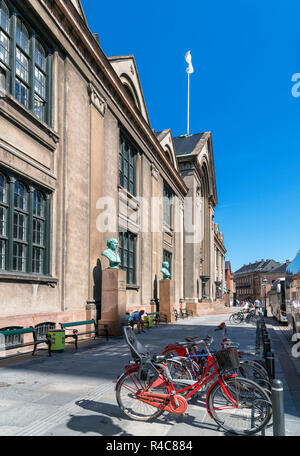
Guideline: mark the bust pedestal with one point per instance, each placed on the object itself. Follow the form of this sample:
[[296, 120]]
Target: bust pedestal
[[167, 299], [113, 303]]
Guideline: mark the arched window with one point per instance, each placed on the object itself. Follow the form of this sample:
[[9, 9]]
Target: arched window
[[40, 78], [130, 89], [129, 92], [3, 189], [20, 196], [168, 153], [22, 35], [127, 165], [3, 220], [22, 63]]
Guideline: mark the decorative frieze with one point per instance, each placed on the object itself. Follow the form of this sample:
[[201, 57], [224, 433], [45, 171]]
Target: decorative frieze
[[96, 99], [154, 171]]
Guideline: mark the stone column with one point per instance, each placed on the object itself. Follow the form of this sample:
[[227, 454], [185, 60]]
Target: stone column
[[113, 303], [155, 228], [167, 299], [97, 112]]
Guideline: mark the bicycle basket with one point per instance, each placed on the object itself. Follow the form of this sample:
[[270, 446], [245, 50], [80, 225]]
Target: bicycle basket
[[228, 359]]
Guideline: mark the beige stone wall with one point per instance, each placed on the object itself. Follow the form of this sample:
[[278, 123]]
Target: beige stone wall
[[76, 187], [77, 159]]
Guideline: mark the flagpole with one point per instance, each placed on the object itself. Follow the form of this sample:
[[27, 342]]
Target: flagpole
[[188, 106], [189, 70]]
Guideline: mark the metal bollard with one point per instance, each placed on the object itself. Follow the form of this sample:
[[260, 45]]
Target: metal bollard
[[278, 408], [270, 365], [267, 346], [257, 334]]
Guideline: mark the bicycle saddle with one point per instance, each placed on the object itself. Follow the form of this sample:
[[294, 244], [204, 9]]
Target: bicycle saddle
[[191, 339], [189, 344]]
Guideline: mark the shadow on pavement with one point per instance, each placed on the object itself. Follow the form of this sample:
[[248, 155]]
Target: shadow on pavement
[[95, 424]]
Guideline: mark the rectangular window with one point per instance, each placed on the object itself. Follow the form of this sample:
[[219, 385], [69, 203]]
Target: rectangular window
[[168, 203], [22, 65], [4, 48], [2, 254], [25, 63], [127, 166], [21, 93], [127, 252], [167, 256], [24, 227]]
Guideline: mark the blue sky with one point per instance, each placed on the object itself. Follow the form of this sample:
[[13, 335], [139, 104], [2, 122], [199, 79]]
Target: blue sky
[[244, 54]]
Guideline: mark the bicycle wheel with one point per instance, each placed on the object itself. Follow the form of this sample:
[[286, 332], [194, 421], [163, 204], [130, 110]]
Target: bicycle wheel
[[235, 319], [252, 412], [257, 365], [251, 318], [127, 387], [252, 372]]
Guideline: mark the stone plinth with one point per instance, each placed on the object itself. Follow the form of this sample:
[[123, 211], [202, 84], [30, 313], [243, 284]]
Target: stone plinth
[[167, 299], [113, 303]]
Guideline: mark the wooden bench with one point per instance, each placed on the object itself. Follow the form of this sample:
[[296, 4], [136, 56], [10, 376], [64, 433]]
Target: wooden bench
[[75, 333], [185, 313], [12, 331], [157, 317]]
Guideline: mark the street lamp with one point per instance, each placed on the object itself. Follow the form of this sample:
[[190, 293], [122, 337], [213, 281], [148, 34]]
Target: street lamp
[[265, 281]]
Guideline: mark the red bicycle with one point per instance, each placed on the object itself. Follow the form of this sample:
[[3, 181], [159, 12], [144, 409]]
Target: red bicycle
[[195, 360], [146, 390]]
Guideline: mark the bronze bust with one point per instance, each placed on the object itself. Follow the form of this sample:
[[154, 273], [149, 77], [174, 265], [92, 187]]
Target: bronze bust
[[111, 254], [165, 270]]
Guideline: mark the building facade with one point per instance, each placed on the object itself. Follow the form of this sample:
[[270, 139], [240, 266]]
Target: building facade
[[230, 284], [204, 251], [80, 164], [254, 281]]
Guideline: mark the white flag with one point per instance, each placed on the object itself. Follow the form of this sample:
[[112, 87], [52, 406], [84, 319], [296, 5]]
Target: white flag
[[188, 59]]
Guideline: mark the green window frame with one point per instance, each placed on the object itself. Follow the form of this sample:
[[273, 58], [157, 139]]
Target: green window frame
[[25, 63], [24, 226], [127, 165], [127, 253], [167, 256]]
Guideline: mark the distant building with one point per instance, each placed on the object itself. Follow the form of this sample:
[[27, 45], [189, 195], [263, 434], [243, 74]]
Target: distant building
[[204, 251], [249, 279], [230, 284]]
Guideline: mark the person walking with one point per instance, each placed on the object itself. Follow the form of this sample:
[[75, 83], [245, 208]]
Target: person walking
[[246, 307], [257, 306]]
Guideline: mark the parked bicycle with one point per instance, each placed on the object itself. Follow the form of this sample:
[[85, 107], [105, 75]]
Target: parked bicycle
[[146, 389], [194, 359], [241, 316]]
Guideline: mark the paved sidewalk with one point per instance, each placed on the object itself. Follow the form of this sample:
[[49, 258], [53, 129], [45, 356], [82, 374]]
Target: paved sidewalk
[[72, 393]]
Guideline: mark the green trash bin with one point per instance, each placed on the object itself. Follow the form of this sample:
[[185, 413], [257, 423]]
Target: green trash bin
[[57, 340]]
